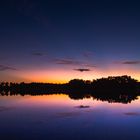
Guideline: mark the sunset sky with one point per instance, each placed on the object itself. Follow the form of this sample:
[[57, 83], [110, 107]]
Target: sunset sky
[[55, 41]]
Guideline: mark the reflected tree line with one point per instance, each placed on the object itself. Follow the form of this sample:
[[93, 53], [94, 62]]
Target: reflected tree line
[[121, 89]]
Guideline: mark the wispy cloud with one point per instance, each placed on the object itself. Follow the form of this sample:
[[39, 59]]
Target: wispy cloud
[[37, 54], [5, 68], [73, 62], [66, 62], [89, 65], [82, 70], [128, 62]]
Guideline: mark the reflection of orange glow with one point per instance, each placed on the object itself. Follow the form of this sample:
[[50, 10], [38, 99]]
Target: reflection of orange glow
[[61, 100], [64, 101], [50, 98], [56, 100]]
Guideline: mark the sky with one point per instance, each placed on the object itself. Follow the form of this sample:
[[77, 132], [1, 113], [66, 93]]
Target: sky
[[58, 40]]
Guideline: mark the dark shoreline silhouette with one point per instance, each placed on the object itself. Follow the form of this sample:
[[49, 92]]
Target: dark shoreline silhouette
[[122, 89]]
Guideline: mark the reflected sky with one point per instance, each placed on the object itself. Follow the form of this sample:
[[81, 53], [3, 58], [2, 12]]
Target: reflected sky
[[54, 117]]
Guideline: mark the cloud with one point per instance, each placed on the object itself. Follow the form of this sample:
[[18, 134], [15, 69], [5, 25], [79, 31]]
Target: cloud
[[5, 68], [37, 54], [89, 65], [72, 62], [132, 113], [67, 62], [82, 70], [131, 62]]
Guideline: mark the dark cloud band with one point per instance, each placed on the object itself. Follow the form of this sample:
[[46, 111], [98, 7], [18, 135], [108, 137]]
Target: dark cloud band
[[82, 70], [131, 62], [5, 68]]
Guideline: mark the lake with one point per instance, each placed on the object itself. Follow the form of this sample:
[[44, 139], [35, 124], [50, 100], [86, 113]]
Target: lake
[[58, 117]]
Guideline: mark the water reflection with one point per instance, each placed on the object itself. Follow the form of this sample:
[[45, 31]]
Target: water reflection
[[110, 98], [57, 116]]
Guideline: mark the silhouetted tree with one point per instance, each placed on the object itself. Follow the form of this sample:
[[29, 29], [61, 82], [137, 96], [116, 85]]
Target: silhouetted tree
[[112, 89]]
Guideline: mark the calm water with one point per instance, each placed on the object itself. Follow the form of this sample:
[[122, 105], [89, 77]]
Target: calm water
[[57, 117]]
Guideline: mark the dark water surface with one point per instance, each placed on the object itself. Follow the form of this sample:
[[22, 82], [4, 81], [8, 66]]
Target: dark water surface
[[57, 117]]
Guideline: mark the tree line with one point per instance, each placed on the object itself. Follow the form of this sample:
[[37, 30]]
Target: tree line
[[112, 83], [122, 89]]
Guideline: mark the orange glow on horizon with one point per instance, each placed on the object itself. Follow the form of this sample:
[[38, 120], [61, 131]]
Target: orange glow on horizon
[[63, 76]]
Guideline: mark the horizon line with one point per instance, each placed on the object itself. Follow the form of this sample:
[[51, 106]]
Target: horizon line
[[67, 80]]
